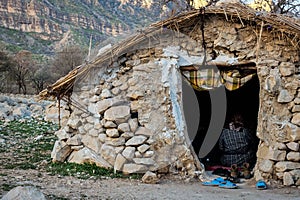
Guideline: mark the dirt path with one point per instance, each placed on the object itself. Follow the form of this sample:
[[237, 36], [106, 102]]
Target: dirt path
[[25, 160], [57, 187]]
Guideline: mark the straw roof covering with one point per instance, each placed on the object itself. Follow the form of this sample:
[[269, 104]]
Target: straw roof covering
[[243, 13], [285, 25]]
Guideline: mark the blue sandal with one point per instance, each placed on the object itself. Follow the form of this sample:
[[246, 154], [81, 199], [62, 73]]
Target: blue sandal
[[228, 185], [215, 182], [261, 185]]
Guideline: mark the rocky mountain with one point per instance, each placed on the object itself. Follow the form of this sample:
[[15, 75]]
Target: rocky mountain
[[42, 26]]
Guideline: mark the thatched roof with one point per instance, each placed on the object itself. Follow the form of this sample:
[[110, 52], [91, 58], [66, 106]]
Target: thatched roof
[[288, 26], [242, 13]]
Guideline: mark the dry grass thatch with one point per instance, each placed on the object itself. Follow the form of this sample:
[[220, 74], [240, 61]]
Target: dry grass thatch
[[243, 13], [234, 11]]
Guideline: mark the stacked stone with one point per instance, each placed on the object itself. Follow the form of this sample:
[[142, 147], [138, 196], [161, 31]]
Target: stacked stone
[[278, 153], [222, 38], [132, 127], [278, 128], [126, 122]]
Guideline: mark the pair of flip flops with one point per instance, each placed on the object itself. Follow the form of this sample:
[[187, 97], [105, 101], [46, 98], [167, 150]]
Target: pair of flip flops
[[261, 185], [220, 182]]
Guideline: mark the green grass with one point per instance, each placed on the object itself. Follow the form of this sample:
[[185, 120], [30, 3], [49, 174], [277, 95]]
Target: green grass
[[14, 41], [27, 152], [85, 171], [30, 127], [22, 165], [23, 151], [54, 197], [7, 187], [13, 48]]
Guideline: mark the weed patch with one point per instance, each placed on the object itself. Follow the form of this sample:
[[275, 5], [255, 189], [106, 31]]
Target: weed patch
[[85, 171], [7, 187], [30, 142], [54, 197], [27, 143]]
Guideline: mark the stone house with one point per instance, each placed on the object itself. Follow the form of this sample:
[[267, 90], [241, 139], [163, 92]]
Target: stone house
[[128, 109]]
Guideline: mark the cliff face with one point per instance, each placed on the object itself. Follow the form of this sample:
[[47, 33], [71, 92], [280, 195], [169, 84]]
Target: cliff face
[[43, 24], [29, 16]]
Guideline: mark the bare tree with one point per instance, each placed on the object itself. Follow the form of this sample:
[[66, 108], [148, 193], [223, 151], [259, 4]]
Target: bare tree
[[6, 63], [177, 5], [19, 71], [286, 7], [67, 59], [291, 7], [40, 77]]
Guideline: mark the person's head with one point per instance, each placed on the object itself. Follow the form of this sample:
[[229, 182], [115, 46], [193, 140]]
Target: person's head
[[237, 120]]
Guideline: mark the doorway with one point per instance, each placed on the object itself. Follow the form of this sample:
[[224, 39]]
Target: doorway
[[244, 100]]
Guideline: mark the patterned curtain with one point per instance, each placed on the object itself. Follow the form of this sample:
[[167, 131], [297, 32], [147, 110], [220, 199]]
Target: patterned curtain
[[207, 79]]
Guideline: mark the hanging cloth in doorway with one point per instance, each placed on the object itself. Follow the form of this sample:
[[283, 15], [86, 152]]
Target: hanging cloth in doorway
[[204, 79], [232, 80], [210, 78]]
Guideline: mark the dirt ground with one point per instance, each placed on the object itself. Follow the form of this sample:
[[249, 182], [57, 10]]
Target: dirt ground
[[25, 155], [58, 187]]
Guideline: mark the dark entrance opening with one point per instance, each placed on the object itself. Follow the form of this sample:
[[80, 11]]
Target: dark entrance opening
[[244, 100]]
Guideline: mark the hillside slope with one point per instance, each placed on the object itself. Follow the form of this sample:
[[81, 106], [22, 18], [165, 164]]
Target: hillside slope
[[41, 26]]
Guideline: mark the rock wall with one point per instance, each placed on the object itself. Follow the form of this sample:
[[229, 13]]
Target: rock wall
[[132, 115], [279, 116], [45, 26], [46, 18], [278, 69], [127, 121]]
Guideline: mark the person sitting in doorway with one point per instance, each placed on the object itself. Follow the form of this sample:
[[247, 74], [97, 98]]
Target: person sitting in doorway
[[236, 144]]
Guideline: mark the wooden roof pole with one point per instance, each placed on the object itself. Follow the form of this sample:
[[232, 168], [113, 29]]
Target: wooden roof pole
[[58, 98]]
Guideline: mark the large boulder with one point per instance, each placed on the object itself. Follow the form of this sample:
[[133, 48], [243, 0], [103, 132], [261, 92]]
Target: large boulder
[[119, 114], [5, 110], [60, 152], [24, 193], [86, 155]]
